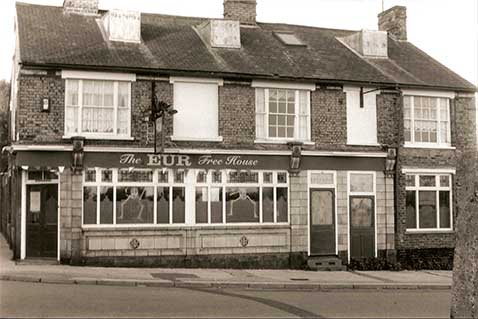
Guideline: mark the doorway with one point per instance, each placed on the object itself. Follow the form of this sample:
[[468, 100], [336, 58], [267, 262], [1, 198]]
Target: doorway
[[362, 227], [322, 222], [42, 221]]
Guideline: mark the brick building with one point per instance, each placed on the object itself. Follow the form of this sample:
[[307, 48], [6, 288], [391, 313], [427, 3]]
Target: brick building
[[291, 145]]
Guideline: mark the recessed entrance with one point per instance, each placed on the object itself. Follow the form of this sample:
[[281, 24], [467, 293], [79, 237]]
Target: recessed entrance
[[322, 222], [42, 221]]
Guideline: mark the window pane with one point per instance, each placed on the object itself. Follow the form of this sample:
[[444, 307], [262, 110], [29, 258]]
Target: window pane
[[123, 121], [361, 210], [445, 221], [410, 180], [179, 176], [216, 205], [134, 205], [201, 205], [243, 177], [361, 183], [201, 177], [282, 178], [411, 209], [97, 120], [427, 181], [273, 107], [268, 205], [163, 177], [407, 107], [72, 92], [107, 176], [427, 209], [444, 114], [444, 132], [89, 205], [408, 131], [242, 205], [268, 178], [322, 178], [90, 175], [179, 216], [71, 119], [217, 177], [163, 205], [108, 93], [123, 94], [282, 205], [323, 208], [125, 175], [106, 205]]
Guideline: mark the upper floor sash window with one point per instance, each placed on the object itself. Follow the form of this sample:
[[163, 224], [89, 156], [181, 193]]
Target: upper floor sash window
[[97, 106], [282, 114], [427, 120]]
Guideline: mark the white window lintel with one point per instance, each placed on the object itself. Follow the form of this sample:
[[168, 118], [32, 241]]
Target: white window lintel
[[105, 76], [436, 94], [174, 79], [283, 85], [436, 171]]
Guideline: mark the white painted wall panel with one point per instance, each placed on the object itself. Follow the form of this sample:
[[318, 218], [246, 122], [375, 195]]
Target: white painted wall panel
[[361, 122], [197, 106]]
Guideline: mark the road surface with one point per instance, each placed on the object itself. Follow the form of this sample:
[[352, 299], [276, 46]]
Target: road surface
[[18, 299]]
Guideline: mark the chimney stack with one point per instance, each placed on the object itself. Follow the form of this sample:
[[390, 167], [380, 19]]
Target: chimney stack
[[394, 21], [243, 11], [83, 7]]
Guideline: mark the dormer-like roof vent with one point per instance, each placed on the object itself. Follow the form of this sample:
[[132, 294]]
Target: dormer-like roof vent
[[367, 43], [289, 38], [221, 33], [122, 25]]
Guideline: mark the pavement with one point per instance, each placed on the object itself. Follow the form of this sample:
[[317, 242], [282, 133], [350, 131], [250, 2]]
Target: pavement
[[38, 271]]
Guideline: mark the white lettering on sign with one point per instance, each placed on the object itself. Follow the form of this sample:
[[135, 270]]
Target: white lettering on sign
[[127, 159], [176, 160]]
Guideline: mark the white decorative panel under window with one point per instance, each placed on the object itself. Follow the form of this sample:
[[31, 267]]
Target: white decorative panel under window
[[361, 120], [197, 106]]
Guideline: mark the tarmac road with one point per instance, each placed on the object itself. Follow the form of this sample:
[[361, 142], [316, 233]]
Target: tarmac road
[[20, 299]]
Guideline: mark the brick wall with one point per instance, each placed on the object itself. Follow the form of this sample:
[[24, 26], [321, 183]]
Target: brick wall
[[86, 7], [240, 10]]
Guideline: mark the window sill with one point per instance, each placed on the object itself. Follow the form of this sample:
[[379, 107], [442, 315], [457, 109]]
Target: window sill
[[218, 139], [282, 142], [181, 226], [429, 231], [101, 137], [430, 146], [363, 144]]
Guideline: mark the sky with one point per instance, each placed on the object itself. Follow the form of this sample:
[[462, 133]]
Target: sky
[[445, 29]]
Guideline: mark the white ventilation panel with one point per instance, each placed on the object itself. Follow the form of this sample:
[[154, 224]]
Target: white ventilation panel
[[122, 25], [221, 33], [368, 43]]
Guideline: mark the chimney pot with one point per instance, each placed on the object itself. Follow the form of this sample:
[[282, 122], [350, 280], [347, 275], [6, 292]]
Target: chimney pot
[[243, 11], [394, 21], [83, 7]]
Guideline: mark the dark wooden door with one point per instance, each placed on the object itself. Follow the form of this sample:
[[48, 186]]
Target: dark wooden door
[[42, 221], [362, 227], [322, 222]]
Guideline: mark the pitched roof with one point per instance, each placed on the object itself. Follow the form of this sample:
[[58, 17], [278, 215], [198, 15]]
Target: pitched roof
[[170, 44]]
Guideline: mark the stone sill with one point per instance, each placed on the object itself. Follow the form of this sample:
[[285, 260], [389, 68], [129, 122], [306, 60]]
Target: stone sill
[[428, 231], [183, 227]]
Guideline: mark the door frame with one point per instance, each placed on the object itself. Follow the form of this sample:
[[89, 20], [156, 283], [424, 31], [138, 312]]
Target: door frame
[[328, 187], [364, 194], [25, 182]]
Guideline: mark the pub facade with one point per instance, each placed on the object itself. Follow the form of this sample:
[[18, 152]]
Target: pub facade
[[151, 140]]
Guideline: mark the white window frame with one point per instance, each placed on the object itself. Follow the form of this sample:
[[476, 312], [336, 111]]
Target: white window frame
[[297, 116], [116, 78], [189, 186], [437, 188], [412, 94]]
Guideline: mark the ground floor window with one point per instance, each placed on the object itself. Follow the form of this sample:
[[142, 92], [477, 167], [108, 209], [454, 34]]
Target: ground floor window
[[429, 202], [175, 197]]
